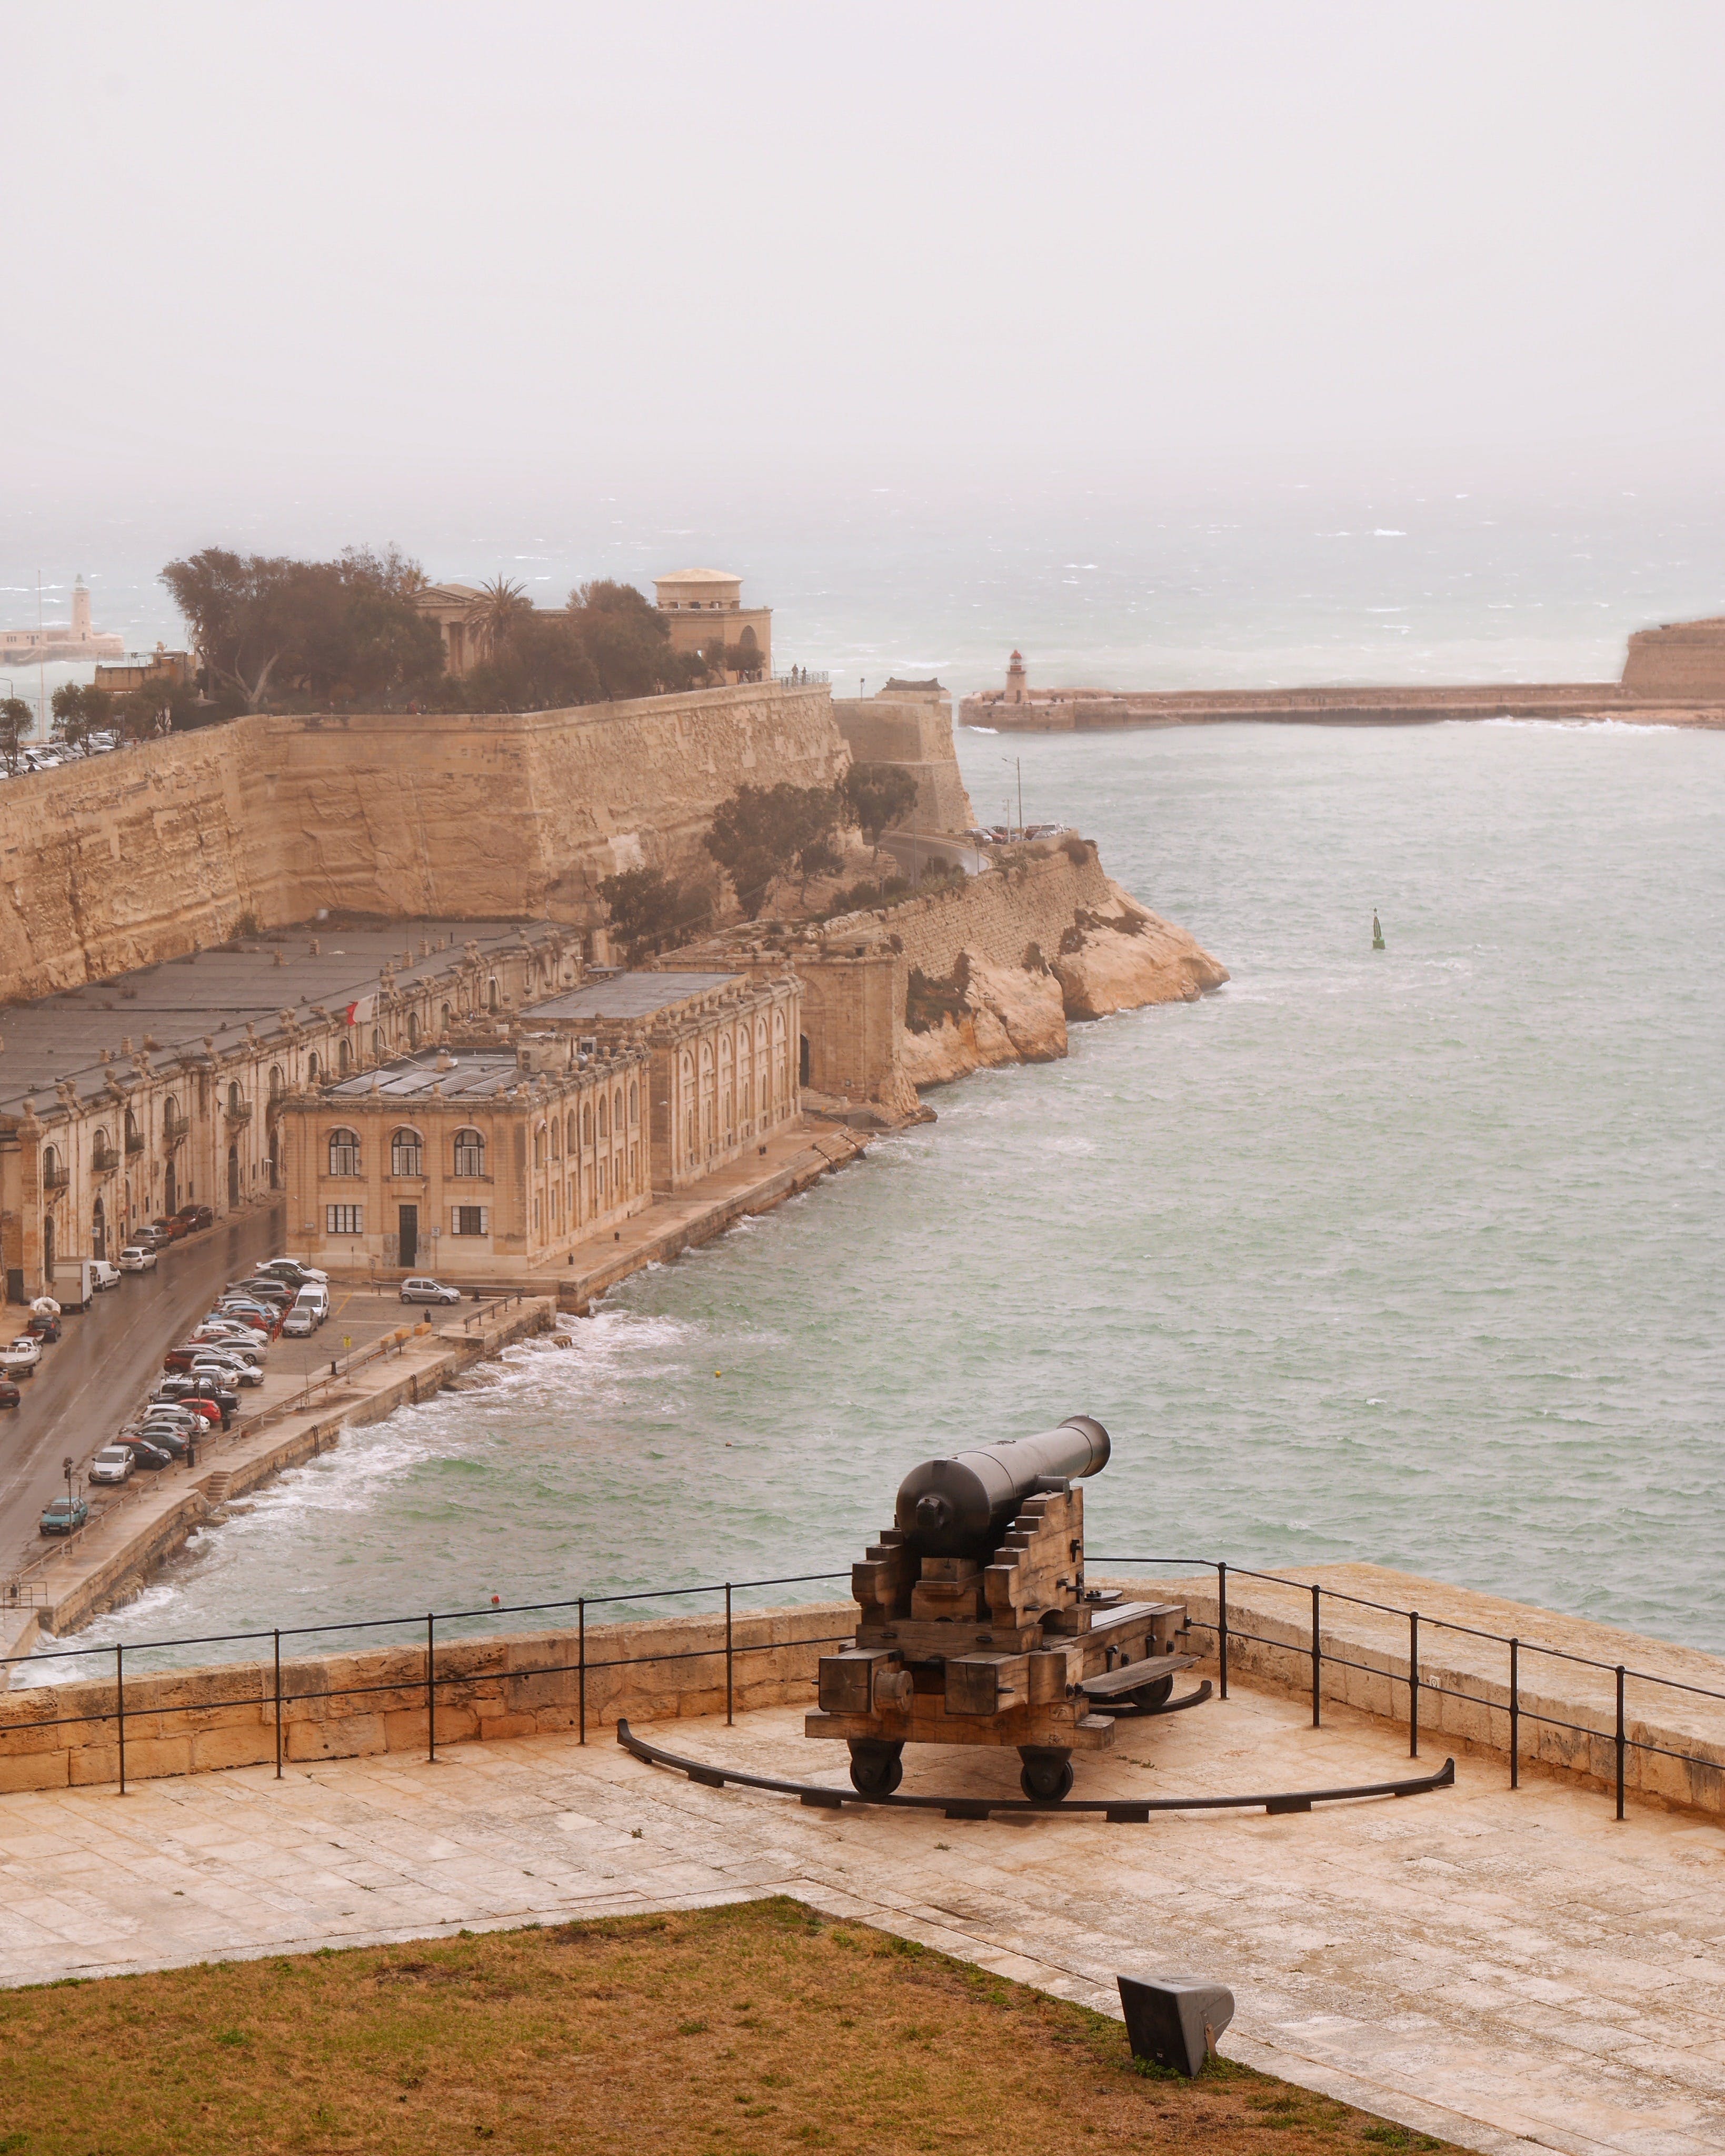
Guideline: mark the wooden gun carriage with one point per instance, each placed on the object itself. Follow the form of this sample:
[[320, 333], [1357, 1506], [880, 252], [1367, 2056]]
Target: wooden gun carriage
[[977, 1627]]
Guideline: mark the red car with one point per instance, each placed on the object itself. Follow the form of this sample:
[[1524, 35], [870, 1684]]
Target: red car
[[171, 1228]]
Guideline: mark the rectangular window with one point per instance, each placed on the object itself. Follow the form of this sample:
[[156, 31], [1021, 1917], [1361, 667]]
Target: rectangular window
[[471, 1219], [343, 1220]]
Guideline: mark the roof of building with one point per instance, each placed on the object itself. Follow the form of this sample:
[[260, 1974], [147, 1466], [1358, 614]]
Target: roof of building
[[466, 593], [458, 1073], [628, 995], [700, 576], [212, 994]]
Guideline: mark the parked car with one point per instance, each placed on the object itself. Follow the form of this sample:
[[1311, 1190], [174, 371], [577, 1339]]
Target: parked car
[[299, 1324], [19, 1360], [173, 1411], [138, 1258], [184, 1391], [64, 1516], [10, 1396], [428, 1290], [154, 1236], [102, 1274], [293, 1271], [42, 1327], [314, 1298], [112, 1463], [195, 1217], [168, 1435], [229, 1369], [237, 1347], [147, 1452]]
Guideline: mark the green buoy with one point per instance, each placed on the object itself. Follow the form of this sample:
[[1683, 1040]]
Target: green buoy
[[1378, 942]]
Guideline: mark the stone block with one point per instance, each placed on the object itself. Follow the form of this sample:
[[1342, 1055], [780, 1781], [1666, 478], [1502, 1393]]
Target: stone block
[[346, 1737], [213, 1749], [38, 1770], [145, 1759], [494, 1727]]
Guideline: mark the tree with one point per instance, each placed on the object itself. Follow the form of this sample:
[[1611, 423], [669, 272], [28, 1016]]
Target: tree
[[647, 910], [495, 616], [761, 833], [878, 796], [627, 641], [15, 721], [347, 626], [79, 712], [541, 664]]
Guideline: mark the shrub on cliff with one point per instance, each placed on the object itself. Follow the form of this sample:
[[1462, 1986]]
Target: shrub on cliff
[[931, 1001], [649, 912], [762, 833]]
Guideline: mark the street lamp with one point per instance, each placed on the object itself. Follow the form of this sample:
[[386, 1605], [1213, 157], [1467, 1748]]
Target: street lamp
[[1018, 765]]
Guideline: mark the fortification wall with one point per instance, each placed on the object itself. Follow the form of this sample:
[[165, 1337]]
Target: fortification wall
[[128, 859], [1684, 661], [917, 733]]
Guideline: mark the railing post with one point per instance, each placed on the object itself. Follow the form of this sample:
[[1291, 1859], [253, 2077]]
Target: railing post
[[278, 1703], [120, 1708], [581, 1660], [430, 1686], [1413, 1684], [1621, 1740], [1515, 1714], [1316, 1658], [730, 1692], [1222, 1626]]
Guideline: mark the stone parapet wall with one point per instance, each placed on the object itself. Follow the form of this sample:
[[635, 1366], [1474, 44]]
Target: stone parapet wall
[[125, 859], [340, 1707], [995, 916], [914, 732]]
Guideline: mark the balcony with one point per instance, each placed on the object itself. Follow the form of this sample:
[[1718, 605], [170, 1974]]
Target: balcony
[[134, 1143], [56, 1178], [237, 1118], [103, 1160], [174, 1129]]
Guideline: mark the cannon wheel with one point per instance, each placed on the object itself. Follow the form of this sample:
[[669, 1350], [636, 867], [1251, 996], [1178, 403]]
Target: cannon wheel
[[1154, 1696], [876, 1767], [1046, 1777]]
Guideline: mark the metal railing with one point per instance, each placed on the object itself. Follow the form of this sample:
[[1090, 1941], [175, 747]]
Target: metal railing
[[1313, 1658], [1311, 1655], [283, 1697]]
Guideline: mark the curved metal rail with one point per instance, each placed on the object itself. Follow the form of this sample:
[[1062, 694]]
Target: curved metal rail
[[1118, 1811], [1128, 1713]]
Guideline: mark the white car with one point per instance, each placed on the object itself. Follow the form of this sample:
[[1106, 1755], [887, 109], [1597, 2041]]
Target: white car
[[24, 1354], [112, 1463], [102, 1274], [426, 1290], [315, 1299], [279, 1268], [231, 1369], [135, 1259]]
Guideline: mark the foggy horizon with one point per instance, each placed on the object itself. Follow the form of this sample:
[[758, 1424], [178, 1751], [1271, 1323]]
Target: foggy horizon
[[588, 294]]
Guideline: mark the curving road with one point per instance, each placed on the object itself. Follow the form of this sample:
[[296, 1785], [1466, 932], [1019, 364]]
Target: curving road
[[84, 1388]]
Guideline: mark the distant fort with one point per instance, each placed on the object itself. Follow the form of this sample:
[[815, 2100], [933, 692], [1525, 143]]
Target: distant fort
[[1674, 675], [58, 640]]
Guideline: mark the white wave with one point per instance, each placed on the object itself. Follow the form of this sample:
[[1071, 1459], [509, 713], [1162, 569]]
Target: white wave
[[971, 728]]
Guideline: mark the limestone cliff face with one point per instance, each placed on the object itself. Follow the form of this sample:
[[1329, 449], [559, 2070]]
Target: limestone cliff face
[[1021, 953]]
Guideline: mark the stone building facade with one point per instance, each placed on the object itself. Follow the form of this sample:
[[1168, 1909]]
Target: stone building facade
[[701, 604], [122, 1100], [726, 1058], [480, 1164]]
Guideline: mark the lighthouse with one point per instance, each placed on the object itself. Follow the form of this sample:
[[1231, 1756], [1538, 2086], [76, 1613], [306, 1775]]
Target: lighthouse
[[80, 611], [1015, 679]]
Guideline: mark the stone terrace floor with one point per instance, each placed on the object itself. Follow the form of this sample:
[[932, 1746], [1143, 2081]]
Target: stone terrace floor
[[1504, 1969]]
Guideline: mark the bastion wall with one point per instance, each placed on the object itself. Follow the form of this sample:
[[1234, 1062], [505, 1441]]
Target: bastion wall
[[144, 855]]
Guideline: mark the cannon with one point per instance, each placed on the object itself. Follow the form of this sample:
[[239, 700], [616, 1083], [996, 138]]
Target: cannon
[[976, 1626]]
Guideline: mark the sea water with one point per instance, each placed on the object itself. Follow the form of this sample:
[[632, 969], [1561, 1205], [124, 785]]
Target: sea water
[[1411, 1255]]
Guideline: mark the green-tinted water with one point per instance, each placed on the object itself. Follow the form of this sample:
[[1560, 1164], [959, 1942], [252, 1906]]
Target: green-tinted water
[[1412, 1256]]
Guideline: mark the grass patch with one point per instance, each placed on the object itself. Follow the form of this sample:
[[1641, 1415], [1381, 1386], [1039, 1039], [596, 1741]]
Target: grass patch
[[757, 2030]]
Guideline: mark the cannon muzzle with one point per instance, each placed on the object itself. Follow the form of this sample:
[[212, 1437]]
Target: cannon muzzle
[[959, 1507]]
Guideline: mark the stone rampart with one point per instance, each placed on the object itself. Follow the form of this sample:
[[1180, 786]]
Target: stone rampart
[[1682, 662], [916, 733], [124, 859]]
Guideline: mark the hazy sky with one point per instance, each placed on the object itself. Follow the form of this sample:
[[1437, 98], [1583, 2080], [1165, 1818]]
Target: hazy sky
[[299, 273]]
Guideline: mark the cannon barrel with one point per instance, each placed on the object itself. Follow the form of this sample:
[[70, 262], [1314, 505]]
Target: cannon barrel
[[959, 1507]]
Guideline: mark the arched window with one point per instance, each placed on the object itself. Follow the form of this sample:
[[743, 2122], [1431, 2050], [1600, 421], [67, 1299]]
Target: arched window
[[344, 1058], [344, 1151], [572, 1133], [134, 1137], [470, 1152], [448, 1017], [556, 1137], [587, 1122], [494, 1000], [407, 1152], [276, 1083], [376, 1040], [539, 1146], [604, 1126], [312, 1068], [413, 1029], [616, 1111], [236, 1100], [634, 1104], [54, 1176]]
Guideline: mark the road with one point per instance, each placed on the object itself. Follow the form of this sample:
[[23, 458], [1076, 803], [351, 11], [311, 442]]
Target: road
[[84, 1388]]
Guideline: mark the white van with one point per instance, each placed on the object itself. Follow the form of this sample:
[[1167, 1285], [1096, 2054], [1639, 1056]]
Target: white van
[[315, 1297]]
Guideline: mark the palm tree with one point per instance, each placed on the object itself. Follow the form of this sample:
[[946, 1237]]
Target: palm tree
[[492, 617]]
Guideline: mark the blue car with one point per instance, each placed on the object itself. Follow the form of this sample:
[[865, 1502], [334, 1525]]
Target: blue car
[[64, 1516]]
